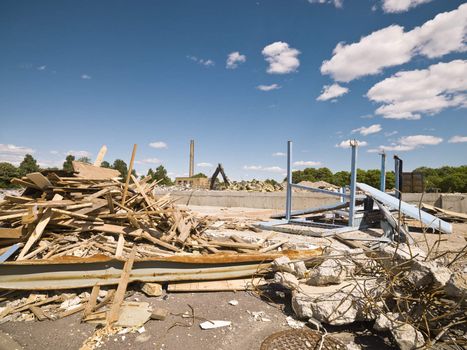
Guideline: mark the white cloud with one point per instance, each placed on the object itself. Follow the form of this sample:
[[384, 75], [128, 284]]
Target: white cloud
[[346, 144], [372, 129], [270, 169], [234, 59], [268, 87], [458, 139], [204, 165], [306, 163], [86, 77], [409, 143], [41, 67], [392, 46], [396, 6], [336, 3], [202, 61], [54, 152], [282, 59], [80, 154], [390, 133], [148, 161], [279, 154], [14, 154], [408, 94], [332, 91], [158, 144]]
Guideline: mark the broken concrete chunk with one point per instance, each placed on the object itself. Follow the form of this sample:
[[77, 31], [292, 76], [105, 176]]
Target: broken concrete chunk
[[456, 286], [286, 279], [300, 269], [386, 322], [400, 254], [331, 271], [152, 289], [283, 264], [424, 273], [407, 337], [159, 314]]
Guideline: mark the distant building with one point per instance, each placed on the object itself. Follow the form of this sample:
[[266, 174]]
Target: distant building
[[192, 182]]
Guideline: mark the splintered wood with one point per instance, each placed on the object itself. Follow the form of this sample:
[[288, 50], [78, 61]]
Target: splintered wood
[[89, 213]]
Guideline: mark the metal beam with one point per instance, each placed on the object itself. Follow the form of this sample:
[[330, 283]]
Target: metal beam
[[353, 181], [382, 179], [314, 189], [288, 202], [410, 210]]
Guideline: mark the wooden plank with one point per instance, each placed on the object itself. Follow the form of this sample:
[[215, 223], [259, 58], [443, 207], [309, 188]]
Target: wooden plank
[[16, 232], [130, 169], [23, 183], [100, 156], [39, 180], [114, 312], [217, 286], [17, 199], [120, 245], [40, 227], [90, 306], [37, 311], [89, 171]]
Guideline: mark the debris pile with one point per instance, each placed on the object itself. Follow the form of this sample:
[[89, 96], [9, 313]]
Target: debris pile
[[419, 299], [254, 186]]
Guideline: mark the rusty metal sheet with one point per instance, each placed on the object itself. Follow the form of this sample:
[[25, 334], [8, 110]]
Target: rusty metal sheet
[[69, 273]]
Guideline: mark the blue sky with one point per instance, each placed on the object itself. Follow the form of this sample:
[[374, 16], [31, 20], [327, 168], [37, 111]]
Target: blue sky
[[77, 75]]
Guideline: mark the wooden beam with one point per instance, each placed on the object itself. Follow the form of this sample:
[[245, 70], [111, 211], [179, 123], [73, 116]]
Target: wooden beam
[[100, 156], [40, 227], [130, 169], [113, 314], [39, 180]]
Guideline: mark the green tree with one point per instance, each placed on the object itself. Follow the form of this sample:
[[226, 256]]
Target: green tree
[[105, 164], [121, 166], [161, 174], [68, 165], [7, 172], [86, 160], [199, 175], [28, 165]]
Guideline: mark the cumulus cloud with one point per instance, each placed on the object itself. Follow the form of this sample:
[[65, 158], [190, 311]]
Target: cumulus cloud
[[306, 163], [79, 154], [409, 143], [279, 154], [148, 161], [42, 67], [336, 3], [14, 154], [282, 59], [201, 61], [268, 87], [372, 129], [86, 77], [458, 139], [397, 6], [204, 165], [408, 94], [332, 91], [158, 144], [392, 46], [270, 169], [234, 59], [346, 144]]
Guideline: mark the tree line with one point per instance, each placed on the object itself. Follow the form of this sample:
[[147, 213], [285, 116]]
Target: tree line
[[28, 165], [444, 179]]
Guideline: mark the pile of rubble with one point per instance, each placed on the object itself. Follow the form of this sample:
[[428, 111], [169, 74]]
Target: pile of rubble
[[254, 186], [417, 299], [72, 243]]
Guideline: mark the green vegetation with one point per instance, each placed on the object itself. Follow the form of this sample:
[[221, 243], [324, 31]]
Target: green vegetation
[[342, 178], [200, 175], [445, 179], [67, 165], [28, 165], [160, 175]]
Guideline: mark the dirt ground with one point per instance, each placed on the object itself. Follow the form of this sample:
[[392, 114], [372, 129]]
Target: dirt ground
[[177, 332]]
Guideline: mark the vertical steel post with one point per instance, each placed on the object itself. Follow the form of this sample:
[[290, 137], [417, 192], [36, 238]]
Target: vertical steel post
[[396, 170], [288, 203], [353, 182], [382, 181]]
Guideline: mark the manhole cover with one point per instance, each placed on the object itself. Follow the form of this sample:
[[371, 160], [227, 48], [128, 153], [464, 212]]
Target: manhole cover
[[300, 339]]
